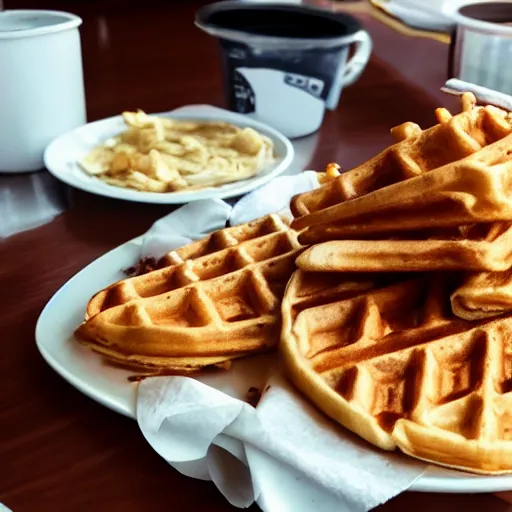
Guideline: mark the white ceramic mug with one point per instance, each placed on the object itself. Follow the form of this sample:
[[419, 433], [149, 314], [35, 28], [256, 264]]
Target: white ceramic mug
[[42, 89]]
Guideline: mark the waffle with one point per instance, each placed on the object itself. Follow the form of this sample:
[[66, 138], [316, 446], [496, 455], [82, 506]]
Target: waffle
[[390, 362], [483, 295], [220, 253], [145, 286], [480, 247], [474, 189], [219, 299], [417, 152]]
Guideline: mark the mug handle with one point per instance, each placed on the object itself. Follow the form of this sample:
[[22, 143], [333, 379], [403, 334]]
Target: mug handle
[[352, 71]]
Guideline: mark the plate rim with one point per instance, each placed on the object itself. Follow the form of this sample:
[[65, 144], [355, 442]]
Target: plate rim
[[429, 481], [86, 388], [241, 187]]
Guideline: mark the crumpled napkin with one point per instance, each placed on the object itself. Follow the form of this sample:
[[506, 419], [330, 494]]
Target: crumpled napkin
[[195, 220], [283, 454], [418, 13]]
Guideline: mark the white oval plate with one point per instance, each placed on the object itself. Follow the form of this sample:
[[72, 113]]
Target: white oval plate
[[62, 154], [110, 387]]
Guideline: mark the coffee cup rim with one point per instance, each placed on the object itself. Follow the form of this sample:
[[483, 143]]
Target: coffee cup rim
[[69, 21], [263, 40], [452, 10]]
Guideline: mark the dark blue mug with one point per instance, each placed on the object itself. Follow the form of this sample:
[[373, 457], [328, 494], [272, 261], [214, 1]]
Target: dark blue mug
[[285, 64]]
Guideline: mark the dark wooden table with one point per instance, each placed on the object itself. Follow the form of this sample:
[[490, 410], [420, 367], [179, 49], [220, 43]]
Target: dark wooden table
[[60, 451]]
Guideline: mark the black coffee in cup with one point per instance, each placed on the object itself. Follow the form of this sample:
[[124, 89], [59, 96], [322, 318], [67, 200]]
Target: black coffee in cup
[[284, 64]]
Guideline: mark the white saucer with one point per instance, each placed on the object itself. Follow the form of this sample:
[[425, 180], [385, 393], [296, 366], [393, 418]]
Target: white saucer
[[62, 154]]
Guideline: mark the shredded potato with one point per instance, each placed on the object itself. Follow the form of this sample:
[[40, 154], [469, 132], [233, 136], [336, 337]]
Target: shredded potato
[[158, 154]]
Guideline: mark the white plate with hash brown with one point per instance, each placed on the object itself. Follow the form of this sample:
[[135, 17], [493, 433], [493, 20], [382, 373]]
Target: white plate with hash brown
[[110, 386], [62, 157]]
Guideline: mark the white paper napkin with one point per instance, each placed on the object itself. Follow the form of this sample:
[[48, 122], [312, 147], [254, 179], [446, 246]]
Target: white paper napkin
[[418, 13], [283, 454], [195, 220]]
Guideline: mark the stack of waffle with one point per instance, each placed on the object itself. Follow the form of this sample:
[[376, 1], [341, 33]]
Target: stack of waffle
[[212, 301], [391, 289]]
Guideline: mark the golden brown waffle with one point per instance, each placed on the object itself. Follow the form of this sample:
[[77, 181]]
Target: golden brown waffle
[[483, 295], [218, 300], [136, 287], [220, 253], [478, 247], [417, 152], [474, 189], [393, 364]]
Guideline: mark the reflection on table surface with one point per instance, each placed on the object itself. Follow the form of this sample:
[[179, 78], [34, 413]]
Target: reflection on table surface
[[28, 201]]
